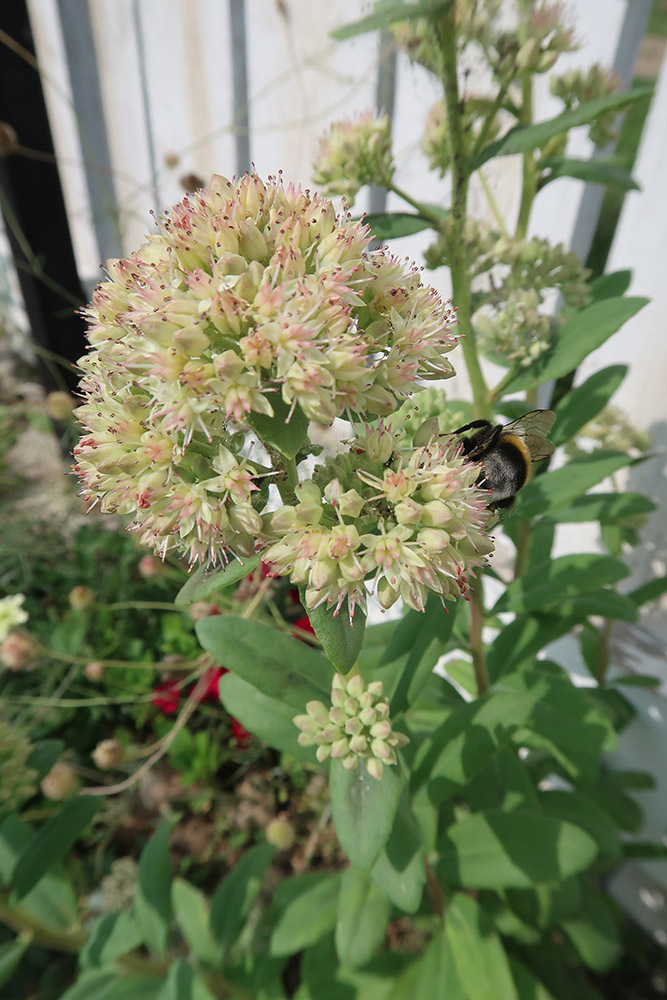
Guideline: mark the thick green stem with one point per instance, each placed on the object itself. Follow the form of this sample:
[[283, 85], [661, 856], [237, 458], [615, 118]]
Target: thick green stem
[[457, 248]]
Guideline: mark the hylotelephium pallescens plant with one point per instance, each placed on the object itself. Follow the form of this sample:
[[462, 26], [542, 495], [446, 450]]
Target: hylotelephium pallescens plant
[[253, 314]]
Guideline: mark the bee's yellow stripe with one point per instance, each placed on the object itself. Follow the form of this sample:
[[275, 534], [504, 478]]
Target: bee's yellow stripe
[[519, 443]]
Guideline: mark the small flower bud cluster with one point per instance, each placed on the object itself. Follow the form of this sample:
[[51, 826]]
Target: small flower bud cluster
[[18, 782], [253, 302], [578, 85], [353, 154], [119, 886], [609, 430], [510, 318], [427, 405], [410, 526], [12, 613], [517, 333], [548, 36], [436, 143], [356, 727]]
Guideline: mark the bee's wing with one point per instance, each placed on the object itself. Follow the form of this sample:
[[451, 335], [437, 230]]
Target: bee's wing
[[533, 427]]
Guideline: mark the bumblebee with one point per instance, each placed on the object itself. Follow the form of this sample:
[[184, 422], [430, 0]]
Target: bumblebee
[[504, 452]]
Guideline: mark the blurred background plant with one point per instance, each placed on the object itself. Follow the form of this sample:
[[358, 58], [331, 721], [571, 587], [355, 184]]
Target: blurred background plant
[[105, 688]]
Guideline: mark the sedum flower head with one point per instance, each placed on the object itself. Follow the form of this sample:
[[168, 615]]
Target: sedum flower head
[[11, 613], [356, 727], [352, 154], [412, 525], [436, 140], [253, 301], [578, 85]]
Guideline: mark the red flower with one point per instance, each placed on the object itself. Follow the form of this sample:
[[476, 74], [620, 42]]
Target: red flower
[[303, 624], [240, 734], [211, 678], [166, 696]]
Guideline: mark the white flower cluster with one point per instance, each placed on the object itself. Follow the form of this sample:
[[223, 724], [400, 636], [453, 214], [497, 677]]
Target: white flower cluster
[[252, 301]]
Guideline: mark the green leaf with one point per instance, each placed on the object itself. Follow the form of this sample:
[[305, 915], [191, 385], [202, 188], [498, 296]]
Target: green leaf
[[399, 871], [206, 581], [340, 640], [580, 405], [481, 963], [497, 850], [182, 983], [285, 430], [433, 976], [421, 637], [645, 850], [152, 894], [234, 897], [528, 987], [638, 680], [10, 956], [650, 591], [607, 508], [267, 719], [609, 286], [53, 841], [597, 170], [363, 915], [586, 330], [393, 225], [594, 932], [504, 784], [386, 13], [566, 716], [558, 488], [52, 901], [518, 642], [279, 666], [558, 579], [623, 809], [578, 809], [605, 603], [523, 138], [113, 935], [191, 914], [307, 917], [43, 756], [363, 810], [464, 744], [108, 984]]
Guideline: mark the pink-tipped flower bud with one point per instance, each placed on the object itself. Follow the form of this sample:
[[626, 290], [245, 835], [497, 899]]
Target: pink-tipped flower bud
[[281, 833], [60, 406], [150, 567], [19, 651], [94, 671], [108, 754], [60, 783], [81, 598]]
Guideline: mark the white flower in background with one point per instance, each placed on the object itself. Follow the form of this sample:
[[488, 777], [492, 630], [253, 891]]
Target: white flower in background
[[11, 614]]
